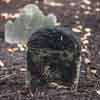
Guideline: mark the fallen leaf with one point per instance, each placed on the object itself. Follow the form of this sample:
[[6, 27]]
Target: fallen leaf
[[12, 50]]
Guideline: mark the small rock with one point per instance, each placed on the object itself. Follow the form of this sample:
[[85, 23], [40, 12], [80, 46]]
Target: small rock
[[87, 12], [54, 4], [83, 6], [1, 63], [76, 17], [87, 61], [21, 47], [85, 42], [83, 71], [88, 2], [87, 34], [80, 27], [87, 30], [23, 69], [84, 51], [98, 92], [75, 29], [93, 71], [97, 9], [89, 8], [72, 4]]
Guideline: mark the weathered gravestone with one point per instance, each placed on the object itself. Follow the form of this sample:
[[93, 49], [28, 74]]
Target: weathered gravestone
[[53, 56]]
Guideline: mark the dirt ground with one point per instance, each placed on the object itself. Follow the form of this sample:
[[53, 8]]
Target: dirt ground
[[83, 15]]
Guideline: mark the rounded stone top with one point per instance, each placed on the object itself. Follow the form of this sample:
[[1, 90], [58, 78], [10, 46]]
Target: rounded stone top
[[58, 38], [53, 55]]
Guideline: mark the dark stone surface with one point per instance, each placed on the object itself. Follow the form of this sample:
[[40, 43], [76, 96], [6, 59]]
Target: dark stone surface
[[53, 54]]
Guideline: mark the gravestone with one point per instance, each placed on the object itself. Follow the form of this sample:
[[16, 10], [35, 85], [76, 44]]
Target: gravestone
[[53, 56]]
